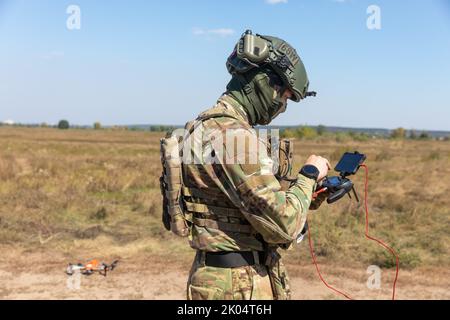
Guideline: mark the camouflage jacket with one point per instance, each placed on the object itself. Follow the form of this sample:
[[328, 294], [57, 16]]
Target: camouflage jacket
[[237, 206]]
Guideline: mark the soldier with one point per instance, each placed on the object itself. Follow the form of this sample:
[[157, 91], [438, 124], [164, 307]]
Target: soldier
[[237, 214]]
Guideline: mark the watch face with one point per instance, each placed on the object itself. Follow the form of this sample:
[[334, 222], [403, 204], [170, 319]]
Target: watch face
[[311, 170]]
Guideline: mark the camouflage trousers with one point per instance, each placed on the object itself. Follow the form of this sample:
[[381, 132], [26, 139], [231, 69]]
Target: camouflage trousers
[[257, 282]]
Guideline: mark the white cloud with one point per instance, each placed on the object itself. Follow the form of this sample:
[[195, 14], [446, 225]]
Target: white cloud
[[53, 55], [198, 31], [222, 32], [276, 1]]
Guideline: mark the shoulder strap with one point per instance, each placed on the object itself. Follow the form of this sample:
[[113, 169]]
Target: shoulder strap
[[205, 117]]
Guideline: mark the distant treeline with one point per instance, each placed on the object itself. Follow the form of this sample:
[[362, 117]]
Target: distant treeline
[[64, 124], [299, 132], [340, 134]]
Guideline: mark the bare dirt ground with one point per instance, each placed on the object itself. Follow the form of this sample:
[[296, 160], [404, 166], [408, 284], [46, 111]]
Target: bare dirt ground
[[41, 276]]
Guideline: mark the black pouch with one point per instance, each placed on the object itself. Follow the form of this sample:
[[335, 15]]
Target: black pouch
[[278, 276], [165, 213]]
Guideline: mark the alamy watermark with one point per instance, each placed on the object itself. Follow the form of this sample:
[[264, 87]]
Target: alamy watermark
[[73, 282], [373, 21], [230, 146], [374, 280], [73, 22]]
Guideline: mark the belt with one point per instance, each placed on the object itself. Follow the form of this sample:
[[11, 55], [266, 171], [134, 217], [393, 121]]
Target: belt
[[233, 259]]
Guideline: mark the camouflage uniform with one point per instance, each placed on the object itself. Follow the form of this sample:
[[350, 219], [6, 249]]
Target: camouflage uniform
[[240, 207]]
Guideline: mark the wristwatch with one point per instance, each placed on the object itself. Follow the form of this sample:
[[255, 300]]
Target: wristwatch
[[310, 171]]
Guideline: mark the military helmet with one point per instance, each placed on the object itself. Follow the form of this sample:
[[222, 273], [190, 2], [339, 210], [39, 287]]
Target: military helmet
[[255, 51]]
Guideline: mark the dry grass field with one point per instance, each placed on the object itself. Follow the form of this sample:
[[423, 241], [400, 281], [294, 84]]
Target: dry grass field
[[72, 195]]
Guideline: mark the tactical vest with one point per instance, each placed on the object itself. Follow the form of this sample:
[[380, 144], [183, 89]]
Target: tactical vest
[[185, 205]]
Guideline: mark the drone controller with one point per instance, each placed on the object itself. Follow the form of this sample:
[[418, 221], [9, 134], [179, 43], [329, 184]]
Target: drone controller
[[339, 186]]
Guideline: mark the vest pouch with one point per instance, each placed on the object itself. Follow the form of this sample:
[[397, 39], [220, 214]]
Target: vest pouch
[[171, 186]]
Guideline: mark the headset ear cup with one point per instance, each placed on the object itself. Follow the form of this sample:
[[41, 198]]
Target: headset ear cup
[[253, 48], [250, 52]]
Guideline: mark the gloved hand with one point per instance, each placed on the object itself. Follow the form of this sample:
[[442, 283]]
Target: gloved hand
[[317, 201]]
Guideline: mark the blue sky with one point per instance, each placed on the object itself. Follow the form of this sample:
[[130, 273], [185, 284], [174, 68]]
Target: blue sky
[[164, 61]]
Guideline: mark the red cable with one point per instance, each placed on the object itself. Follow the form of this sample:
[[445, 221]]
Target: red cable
[[317, 266], [367, 236], [375, 239]]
